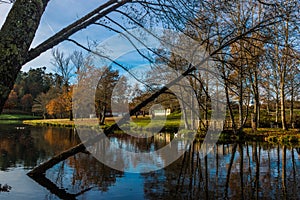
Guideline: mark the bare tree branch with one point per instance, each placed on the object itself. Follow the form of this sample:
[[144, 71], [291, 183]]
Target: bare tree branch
[[78, 25]]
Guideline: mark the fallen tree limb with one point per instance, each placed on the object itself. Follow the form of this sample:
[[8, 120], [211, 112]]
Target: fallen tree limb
[[54, 189], [41, 169]]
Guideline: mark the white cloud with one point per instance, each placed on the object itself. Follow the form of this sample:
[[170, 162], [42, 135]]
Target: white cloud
[[4, 9]]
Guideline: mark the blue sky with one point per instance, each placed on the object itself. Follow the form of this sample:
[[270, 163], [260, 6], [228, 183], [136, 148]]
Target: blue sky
[[59, 14]]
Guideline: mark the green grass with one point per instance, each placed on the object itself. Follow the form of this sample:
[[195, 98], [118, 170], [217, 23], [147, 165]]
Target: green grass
[[17, 117], [66, 122], [141, 121], [144, 125], [146, 121], [6, 122], [169, 124]]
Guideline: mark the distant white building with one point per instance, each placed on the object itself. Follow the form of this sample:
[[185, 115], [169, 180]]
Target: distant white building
[[161, 112]]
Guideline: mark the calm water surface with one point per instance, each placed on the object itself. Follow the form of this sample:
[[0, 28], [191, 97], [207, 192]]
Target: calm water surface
[[234, 171]]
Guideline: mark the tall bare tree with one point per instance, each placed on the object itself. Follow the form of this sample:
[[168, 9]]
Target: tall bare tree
[[62, 66]]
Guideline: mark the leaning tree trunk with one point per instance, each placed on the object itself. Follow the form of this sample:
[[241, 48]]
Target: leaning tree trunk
[[16, 36]]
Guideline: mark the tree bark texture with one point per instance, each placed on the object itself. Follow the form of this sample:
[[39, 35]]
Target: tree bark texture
[[16, 36]]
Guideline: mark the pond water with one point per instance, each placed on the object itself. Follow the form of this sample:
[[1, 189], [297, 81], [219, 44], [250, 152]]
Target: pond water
[[250, 170]]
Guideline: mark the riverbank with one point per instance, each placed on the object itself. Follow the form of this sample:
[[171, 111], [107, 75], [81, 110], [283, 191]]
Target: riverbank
[[171, 124], [276, 135], [67, 123], [270, 135], [18, 117], [50, 122]]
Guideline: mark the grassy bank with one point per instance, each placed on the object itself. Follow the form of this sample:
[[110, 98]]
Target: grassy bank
[[290, 137], [171, 124], [142, 124], [17, 117], [50, 122]]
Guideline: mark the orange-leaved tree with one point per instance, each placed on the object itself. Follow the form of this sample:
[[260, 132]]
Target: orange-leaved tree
[[62, 105]]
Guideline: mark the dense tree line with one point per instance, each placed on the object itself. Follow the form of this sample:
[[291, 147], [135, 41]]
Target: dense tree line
[[50, 94], [28, 86]]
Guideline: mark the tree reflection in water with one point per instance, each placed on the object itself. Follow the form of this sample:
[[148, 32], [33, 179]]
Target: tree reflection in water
[[79, 174], [235, 171], [249, 170]]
